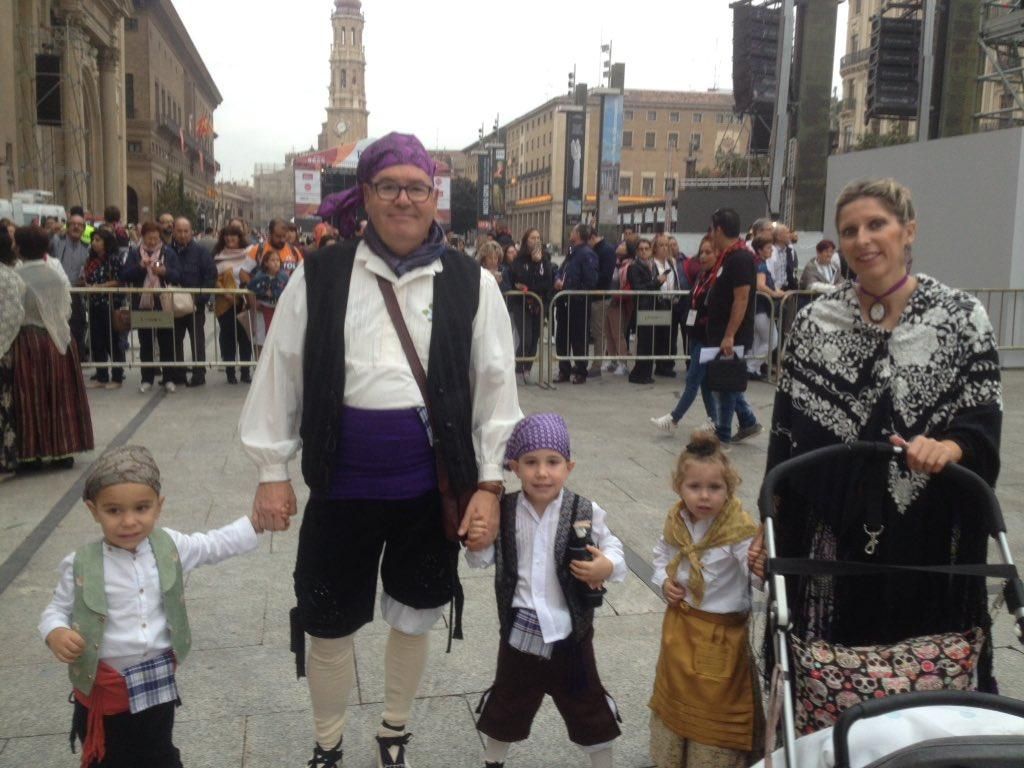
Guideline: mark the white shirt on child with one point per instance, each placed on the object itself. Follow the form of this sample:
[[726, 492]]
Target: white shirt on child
[[136, 628], [726, 575], [537, 588]]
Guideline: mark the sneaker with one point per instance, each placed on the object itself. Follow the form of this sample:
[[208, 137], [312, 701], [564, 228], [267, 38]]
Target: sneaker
[[665, 423], [621, 370], [144, 387], [171, 387], [325, 758], [391, 751], [611, 368], [744, 432]]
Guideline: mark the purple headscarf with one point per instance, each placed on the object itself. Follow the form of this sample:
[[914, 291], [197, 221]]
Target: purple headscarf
[[540, 431], [393, 149]]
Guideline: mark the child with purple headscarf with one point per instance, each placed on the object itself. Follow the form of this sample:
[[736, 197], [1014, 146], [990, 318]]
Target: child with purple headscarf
[[553, 553]]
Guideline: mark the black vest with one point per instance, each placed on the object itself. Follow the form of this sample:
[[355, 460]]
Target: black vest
[[506, 562], [328, 275]]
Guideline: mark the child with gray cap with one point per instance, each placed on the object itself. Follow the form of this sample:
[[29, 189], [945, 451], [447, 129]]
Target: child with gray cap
[[118, 618], [552, 555]]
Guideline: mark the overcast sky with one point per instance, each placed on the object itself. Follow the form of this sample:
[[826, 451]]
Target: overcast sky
[[440, 69]]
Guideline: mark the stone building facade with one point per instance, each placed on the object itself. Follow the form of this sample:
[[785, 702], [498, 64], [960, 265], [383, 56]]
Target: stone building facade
[[667, 135], [170, 99], [81, 160]]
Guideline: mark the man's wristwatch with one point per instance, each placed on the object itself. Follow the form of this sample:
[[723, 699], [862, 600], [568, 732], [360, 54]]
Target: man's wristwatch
[[492, 486]]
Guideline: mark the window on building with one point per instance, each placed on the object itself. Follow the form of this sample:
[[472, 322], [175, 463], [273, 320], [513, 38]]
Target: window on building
[[627, 139], [627, 114], [720, 118], [129, 95], [698, 117], [131, 25], [625, 186], [652, 116], [695, 142], [647, 186], [673, 117], [673, 141], [847, 137], [135, 147], [649, 140]]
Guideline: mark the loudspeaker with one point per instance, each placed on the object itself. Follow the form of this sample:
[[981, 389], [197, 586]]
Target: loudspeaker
[[893, 74], [755, 42], [48, 111]]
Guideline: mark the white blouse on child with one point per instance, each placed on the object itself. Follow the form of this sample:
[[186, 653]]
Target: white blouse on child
[[726, 576], [136, 627]]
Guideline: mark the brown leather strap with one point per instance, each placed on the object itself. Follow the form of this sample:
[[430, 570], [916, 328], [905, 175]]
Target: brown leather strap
[[387, 290]]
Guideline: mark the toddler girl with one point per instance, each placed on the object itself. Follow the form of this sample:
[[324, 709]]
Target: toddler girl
[[703, 707]]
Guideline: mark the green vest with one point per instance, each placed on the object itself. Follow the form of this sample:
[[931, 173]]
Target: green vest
[[89, 614]]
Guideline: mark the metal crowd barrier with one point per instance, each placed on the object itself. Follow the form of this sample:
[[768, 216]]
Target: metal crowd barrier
[[529, 326], [161, 318], [1005, 308]]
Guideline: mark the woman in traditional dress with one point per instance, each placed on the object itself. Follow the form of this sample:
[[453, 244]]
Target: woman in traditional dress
[[53, 420], [900, 358], [12, 312]]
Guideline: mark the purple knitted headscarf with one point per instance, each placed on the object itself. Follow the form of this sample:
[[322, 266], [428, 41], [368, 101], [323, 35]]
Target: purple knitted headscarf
[[540, 431], [393, 149]]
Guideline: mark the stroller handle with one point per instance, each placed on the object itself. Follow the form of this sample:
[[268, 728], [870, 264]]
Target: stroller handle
[[980, 490], [876, 707]]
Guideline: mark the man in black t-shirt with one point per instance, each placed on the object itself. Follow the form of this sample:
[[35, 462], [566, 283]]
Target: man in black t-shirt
[[730, 305]]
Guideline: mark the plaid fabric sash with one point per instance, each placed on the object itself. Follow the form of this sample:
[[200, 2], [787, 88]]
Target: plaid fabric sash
[[526, 635], [151, 682]]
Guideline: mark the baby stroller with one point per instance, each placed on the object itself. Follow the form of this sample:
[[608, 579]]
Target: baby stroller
[[940, 734]]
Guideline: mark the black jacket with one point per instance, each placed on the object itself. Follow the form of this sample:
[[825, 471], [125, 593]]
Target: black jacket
[[196, 268]]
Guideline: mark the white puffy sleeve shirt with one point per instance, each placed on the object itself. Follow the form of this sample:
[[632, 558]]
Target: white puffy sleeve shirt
[[726, 575], [537, 587], [377, 374], [136, 627]]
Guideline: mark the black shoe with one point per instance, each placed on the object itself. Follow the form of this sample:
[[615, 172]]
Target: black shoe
[[231, 376], [196, 382], [246, 376], [325, 758], [385, 745], [28, 465], [579, 378], [66, 463], [494, 765]]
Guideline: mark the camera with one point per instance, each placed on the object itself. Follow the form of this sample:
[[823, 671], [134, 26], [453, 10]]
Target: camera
[[579, 540]]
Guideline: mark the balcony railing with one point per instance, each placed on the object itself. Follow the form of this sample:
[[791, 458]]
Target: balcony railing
[[855, 58]]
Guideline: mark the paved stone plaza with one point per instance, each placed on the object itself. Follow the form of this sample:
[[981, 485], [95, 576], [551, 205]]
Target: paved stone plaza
[[242, 703]]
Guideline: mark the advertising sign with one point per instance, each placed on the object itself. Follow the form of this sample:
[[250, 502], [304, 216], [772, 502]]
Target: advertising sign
[[611, 160], [307, 192], [575, 169], [443, 185], [498, 174], [483, 174]]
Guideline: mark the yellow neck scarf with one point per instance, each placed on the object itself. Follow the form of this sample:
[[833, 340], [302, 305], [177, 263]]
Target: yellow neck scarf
[[732, 525]]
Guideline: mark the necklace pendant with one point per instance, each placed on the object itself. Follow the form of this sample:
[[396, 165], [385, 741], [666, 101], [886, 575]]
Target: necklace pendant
[[877, 312]]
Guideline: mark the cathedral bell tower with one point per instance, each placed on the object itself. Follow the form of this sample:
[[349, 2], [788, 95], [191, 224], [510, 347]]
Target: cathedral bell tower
[[346, 109]]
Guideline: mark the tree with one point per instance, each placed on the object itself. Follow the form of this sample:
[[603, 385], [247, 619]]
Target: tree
[[872, 140], [463, 205], [172, 198]]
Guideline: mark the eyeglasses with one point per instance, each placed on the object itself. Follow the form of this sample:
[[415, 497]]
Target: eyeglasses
[[389, 191]]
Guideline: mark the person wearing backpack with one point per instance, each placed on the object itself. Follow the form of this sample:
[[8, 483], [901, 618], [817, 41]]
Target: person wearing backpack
[[572, 317]]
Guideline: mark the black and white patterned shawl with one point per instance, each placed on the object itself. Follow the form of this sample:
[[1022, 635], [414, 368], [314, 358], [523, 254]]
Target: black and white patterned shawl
[[844, 379]]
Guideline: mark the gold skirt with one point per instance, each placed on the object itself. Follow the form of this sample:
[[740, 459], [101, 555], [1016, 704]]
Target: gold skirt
[[703, 687]]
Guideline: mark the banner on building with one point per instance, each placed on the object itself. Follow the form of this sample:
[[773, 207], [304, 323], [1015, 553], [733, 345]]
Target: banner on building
[[443, 186], [575, 169], [483, 197], [307, 192], [498, 175], [610, 161]]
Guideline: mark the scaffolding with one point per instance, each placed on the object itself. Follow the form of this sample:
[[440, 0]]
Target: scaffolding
[[1001, 35]]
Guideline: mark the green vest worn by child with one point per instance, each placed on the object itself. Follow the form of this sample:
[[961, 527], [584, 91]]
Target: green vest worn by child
[[89, 614]]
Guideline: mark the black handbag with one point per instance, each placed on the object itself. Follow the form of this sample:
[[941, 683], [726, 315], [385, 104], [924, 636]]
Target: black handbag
[[727, 374]]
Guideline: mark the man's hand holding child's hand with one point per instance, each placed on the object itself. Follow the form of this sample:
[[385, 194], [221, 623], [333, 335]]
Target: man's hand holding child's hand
[[673, 593], [593, 572], [66, 644]]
